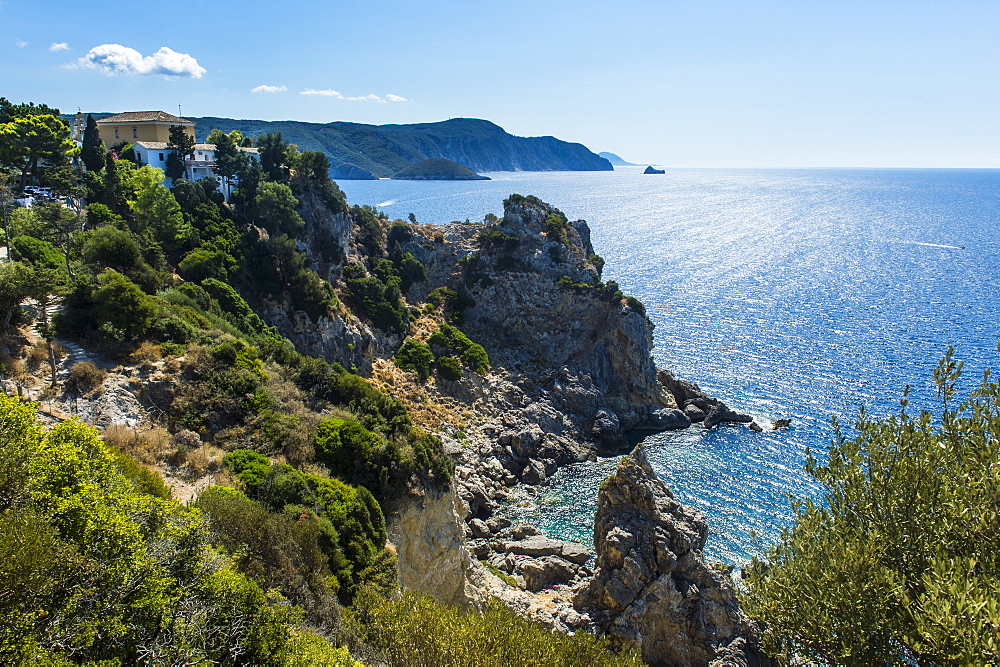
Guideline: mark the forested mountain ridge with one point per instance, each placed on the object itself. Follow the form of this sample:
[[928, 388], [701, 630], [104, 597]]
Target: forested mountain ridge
[[383, 150]]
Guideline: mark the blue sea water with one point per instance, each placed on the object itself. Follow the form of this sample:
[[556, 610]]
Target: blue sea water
[[787, 293]]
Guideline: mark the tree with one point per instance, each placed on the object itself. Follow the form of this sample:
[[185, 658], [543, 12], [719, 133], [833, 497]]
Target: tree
[[9, 111], [900, 562], [61, 222], [227, 159], [7, 206], [276, 209], [92, 152], [16, 285], [181, 146], [47, 283], [155, 208], [27, 142], [277, 156]]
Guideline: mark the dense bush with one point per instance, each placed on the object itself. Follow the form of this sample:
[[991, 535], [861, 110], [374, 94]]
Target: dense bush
[[416, 357], [898, 564], [345, 523], [400, 232], [473, 355], [412, 629], [95, 569], [496, 239], [379, 301], [36, 252], [449, 367], [370, 233]]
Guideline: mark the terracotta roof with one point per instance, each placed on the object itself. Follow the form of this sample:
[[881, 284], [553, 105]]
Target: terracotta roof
[[146, 116], [161, 145]]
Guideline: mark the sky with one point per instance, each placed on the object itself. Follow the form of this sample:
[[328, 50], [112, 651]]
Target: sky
[[693, 83]]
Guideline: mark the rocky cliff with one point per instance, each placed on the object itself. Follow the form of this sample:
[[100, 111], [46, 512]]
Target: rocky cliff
[[654, 589]]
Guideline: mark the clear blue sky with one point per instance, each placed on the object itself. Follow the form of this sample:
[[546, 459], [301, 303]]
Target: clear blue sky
[[693, 83]]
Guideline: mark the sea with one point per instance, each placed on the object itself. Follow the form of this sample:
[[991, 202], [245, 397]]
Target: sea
[[806, 294]]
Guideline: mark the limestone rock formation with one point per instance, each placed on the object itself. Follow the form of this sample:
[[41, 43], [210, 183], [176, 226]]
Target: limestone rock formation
[[431, 554], [654, 589]]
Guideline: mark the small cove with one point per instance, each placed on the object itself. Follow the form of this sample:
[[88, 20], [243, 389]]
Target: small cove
[[787, 293]]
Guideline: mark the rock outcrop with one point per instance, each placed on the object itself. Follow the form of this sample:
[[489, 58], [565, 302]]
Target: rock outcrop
[[654, 589], [430, 549]]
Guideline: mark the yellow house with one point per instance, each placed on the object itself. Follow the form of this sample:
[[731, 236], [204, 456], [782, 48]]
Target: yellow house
[[133, 126]]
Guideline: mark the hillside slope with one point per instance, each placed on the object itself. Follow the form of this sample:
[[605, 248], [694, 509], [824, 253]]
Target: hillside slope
[[386, 149]]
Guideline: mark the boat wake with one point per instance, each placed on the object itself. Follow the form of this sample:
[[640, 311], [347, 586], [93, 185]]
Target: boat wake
[[938, 245]]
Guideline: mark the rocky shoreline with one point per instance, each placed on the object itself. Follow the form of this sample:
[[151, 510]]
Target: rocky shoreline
[[572, 376]]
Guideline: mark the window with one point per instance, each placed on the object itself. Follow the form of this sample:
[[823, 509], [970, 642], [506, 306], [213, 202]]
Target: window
[[135, 133], [161, 157], [116, 134]]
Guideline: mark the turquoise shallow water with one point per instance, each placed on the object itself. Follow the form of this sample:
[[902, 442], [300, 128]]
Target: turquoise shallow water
[[787, 293]]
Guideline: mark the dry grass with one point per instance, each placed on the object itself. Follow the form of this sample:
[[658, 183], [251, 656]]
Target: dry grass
[[85, 376], [146, 352], [428, 409], [146, 446], [201, 461]]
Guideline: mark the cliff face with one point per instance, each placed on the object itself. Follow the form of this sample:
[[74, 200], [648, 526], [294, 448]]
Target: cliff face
[[654, 589], [383, 150]]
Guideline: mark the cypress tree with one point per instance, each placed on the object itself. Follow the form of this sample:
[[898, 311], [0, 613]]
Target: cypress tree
[[92, 152]]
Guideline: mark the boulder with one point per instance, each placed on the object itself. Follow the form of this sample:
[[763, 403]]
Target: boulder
[[694, 413], [546, 572], [653, 588], [540, 546], [667, 419], [479, 528], [755, 427], [534, 472], [721, 413], [781, 423], [523, 530]]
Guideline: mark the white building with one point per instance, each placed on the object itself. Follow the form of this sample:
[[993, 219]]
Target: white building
[[155, 154]]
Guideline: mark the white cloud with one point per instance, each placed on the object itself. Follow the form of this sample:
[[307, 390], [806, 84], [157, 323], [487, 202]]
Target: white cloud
[[21, 43], [117, 59], [365, 98], [59, 46], [269, 89], [329, 92]]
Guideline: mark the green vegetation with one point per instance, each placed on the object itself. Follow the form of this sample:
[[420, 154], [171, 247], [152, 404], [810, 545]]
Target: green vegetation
[[385, 149], [416, 357], [496, 239], [472, 354], [899, 562], [438, 169], [96, 568], [411, 629], [453, 303]]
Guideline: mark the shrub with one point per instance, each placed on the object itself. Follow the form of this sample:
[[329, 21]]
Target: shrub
[[202, 263], [36, 251], [449, 368], [400, 232], [144, 445], [473, 355], [379, 301], [897, 564], [85, 376], [496, 239], [416, 357], [413, 629]]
